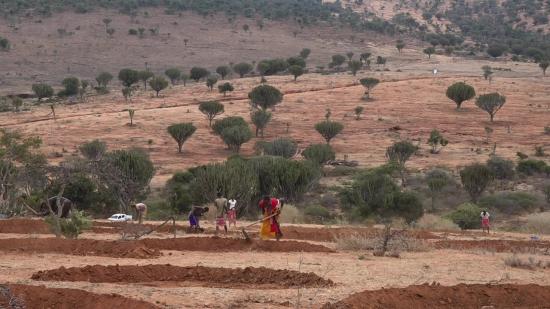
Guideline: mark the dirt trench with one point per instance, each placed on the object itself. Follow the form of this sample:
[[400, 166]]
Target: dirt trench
[[249, 277], [462, 296], [16, 296]]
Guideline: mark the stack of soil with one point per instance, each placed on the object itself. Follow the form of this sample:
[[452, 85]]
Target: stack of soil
[[194, 275], [462, 296], [16, 296]]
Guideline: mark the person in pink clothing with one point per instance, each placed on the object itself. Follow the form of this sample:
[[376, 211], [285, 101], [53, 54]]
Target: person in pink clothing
[[485, 221]]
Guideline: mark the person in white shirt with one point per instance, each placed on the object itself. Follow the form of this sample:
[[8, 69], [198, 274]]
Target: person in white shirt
[[232, 212], [485, 221]]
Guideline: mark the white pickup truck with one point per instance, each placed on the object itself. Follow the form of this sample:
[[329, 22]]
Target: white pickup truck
[[120, 218]]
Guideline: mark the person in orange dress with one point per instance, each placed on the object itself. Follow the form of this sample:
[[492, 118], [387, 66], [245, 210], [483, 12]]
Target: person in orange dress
[[271, 209]]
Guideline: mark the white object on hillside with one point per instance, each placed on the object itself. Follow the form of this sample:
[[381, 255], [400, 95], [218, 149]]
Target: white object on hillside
[[120, 218]]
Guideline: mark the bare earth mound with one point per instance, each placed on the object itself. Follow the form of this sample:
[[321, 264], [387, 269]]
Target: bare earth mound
[[28, 296], [196, 275], [460, 296], [496, 245], [24, 226]]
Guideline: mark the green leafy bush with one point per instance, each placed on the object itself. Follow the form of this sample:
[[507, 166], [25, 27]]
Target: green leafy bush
[[466, 216], [530, 167], [317, 213], [319, 153], [283, 147], [510, 202], [73, 226], [501, 168]]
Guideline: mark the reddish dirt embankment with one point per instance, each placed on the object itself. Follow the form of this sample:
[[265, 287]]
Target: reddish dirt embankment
[[150, 248], [497, 245], [24, 226], [194, 275], [462, 296], [28, 296]]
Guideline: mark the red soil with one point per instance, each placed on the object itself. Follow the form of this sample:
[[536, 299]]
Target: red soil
[[331, 234], [24, 226], [28, 296], [497, 245], [196, 275], [462, 296]]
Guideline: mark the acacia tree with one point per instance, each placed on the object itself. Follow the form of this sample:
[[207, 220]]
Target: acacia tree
[[128, 77], [400, 45], [260, 119], [71, 86], [242, 68], [223, 70], [436, 180], [460, 92], [475, 179], [174, 74], [399, 153], [355, 66], [429, 51], [491, 103], [437, 141], [304, 53], [225, 87], [103, 79], [211, 109], [144, 76], [543, 65], [198, 73], [487, 72], [337, 61], [296, 71], [369, 83], [181, 132], [265, 96], [158, 83], [358, 110], [329, 129], [42, 91]]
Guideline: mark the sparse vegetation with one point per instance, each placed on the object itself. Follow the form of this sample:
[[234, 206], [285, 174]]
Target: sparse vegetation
[[260, 119], [319, 153], [225, 88], [211, 81], [211, 109], [296, 71], [437, 180], [265, 96], [158, 83], [329, 129], [466, 216], [429, 51], [399, 153], [223, 71], [282, 147], [437, 141], [174, 74], [491, 103], [198, 73], [475, 179], [42, 91], [460, 92], [145, 76], [242, 68], [71, 86], [103, 80], [369, 83], [358, 110]]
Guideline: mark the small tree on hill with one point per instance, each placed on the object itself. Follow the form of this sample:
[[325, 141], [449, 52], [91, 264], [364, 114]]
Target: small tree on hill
[[369, 83], [543, 66], [131, 113], [337, 61], [491, 103], [144, 76], [436, 180], [233, 121], [184, 78], [211, 109], [460, 92], [103, 79], [198, 73], [235, 136], [225, 87], [429, 51], [355, 66], [475, 179], [211, 81], [399, 153], [174, 74], [17, 102], [329, 129], [399, 45], [110, 32], [358, 111], [93, 150], [42, 91], [128, 77], [364, 57], [260, 119], [223, 71], [437, 141], [319, 153], [265, 96], [305, 53], [381, 60], [349, 55], [181, 132], [487, 71], [71, 84], [158, 83], [242, 68], [496, 51], [296, 71]]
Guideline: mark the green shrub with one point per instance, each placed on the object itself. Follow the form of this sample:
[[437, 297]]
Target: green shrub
[[501, 168], [530, 167], [282, 147], [220, 125], [433, 222], [73, 226], [475, 178], [509, 202], [235, 136], [319, 153], [317, 213], [466, 216]]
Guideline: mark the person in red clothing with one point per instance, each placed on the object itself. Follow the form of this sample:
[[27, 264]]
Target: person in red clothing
[[271, 209]]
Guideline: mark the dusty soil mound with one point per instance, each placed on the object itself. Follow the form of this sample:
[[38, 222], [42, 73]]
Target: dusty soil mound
[[119, 249], [24, 226], [231, 244], [497, 245], [460, 296], [198, 275], [28, 296]]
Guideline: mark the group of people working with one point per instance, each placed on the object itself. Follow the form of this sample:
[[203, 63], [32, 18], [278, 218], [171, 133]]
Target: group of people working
[[226, 214]]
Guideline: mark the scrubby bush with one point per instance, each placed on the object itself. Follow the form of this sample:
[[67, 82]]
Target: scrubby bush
[[71, 227], [198, 73], [433, 222], [319, 153], [71, 86], [460, 92], [211, 109], [211, 80], [501, 168], [235, 136], [429, 51], [158, 83], [178, 190], [496, 50], [283, 147], [329, 129], [530, 167], [220, 125], [437, 180], [399, 153], [93, 150], [297, 61], [42, 91], [265, 96], [242, 68], [128, 77], [511, 203], [296, 71], [103, 79], [173, 74], [4, 44], [317, 213], [475, 179], [466, 216], [260, 119], [437, 141], [271, 66], [337, 61], [223, 71], [225, 88], [144, 76], [355, 66], [304, 53]]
